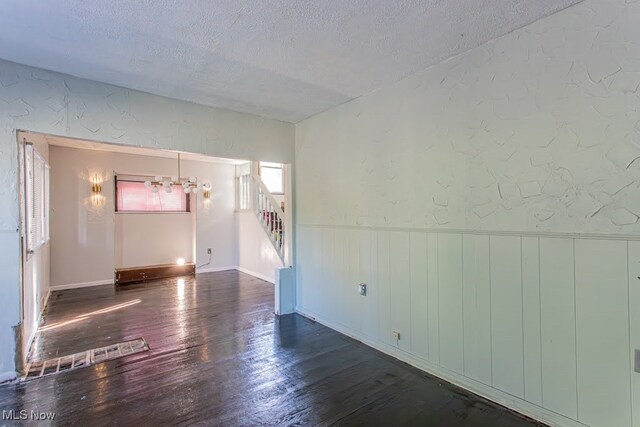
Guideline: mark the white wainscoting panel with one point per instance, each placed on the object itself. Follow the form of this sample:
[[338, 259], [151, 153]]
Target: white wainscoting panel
[[545, 324], [558, 326], [352, 273], [400, 283], [602, 326], [476, 277], [384, 292], [506, 315], [450, 301], [434, 298], [634, 324], [329, 273], [419, 295], [531, 320], [337, 265], [369, 258]]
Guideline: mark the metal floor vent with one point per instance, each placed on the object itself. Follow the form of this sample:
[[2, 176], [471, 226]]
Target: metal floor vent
[[83, 359]]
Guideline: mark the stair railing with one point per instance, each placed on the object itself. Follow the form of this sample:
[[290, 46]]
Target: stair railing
[[269, 213]]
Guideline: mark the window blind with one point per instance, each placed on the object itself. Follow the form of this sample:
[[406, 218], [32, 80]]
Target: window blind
[[36, 197], [133, 196]]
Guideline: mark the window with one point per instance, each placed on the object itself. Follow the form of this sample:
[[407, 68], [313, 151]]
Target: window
[[36, 196], [242, 192], [46, 204], [133, 196], [272, 176]]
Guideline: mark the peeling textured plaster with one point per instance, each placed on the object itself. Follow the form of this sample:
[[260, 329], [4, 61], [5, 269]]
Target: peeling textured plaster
[[47, 102], [622, 216], [529, 189], [538, 130]]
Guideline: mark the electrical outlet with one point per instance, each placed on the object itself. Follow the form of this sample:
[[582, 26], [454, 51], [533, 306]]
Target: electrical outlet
[[208, 251], [362, 289], [396, 335]]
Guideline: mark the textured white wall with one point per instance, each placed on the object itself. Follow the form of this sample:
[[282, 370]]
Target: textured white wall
[[538, 131], [42, 101]]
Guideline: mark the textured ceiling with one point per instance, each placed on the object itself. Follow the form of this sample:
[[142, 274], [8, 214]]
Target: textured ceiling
[[275, 58]]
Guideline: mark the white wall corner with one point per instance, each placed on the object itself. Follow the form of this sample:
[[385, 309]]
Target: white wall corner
[[258, 275], [215, 269]]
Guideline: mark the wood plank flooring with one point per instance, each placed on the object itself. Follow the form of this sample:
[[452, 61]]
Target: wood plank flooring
[[219, 356]]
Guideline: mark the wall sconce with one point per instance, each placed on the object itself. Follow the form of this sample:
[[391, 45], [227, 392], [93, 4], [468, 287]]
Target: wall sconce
[[206, 194], [96, 191]]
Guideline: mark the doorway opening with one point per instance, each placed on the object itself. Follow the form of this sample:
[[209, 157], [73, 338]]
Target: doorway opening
[[110, 210]]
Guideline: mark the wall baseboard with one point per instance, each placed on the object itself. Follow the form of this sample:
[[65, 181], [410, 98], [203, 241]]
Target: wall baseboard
[[7, 376], [215, 269], [81, 285], [258, 275], [497, 396]]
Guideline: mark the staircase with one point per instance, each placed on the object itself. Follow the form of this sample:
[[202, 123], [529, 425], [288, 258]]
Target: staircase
[[269, 214]]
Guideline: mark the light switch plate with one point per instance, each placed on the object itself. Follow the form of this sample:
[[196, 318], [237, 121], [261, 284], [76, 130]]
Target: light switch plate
[[362, 289], [637, 359]]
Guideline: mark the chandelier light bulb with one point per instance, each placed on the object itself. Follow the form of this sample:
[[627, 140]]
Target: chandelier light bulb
[[189, 185]]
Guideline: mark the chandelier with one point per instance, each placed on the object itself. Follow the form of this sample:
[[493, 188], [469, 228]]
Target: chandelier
[[189, 185]]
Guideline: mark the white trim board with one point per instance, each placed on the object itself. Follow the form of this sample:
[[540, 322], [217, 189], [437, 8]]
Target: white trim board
[[81, 285], [215, 269], [497, 396], [258, 275], [201, 270], [591, 236]]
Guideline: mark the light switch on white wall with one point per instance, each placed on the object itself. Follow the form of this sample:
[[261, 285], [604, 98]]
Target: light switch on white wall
[[362, 289]]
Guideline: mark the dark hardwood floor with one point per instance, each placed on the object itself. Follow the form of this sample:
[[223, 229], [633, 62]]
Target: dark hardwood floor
[[219, 356]]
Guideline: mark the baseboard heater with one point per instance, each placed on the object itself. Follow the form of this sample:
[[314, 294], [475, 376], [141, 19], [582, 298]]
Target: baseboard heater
[[152, 272]]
